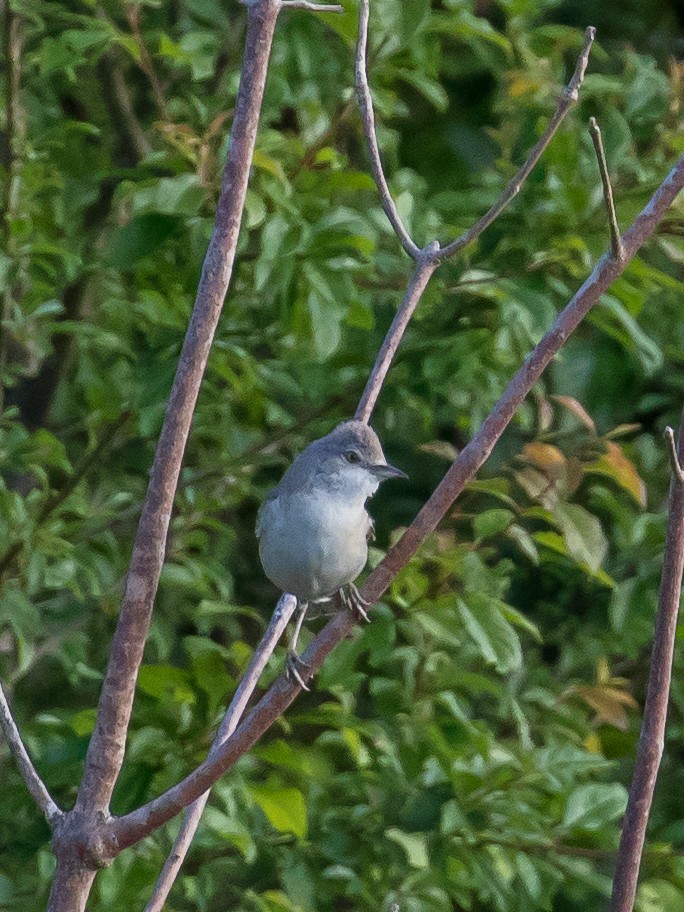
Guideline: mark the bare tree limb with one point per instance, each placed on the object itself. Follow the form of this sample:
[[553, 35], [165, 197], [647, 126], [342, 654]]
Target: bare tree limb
[[615, 239], [132, 827], [425, 266], [106, 748], [567, 99], [191, 818], [34, 783], [652, 737], [368, 117]]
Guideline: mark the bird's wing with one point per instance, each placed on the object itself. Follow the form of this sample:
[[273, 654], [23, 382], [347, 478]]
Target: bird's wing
[[262, 515]]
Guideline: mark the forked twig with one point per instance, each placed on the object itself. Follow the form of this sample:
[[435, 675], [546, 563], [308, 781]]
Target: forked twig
[[616, 244], [312, 7], [652, 737], [429, 257]]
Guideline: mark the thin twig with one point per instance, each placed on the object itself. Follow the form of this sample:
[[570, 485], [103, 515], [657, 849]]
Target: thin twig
[[675, 464], [191, 818], [425, 266], [567, 99], [127, 830], [312, 7], [368, 117], [615, 239], [34, 783], [652, 736], [145, 62]]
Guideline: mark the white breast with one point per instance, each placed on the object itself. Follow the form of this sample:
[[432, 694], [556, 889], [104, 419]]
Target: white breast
[[313, 544]]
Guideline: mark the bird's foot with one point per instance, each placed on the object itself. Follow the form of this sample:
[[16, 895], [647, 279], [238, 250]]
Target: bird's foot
[[353, 601], [295, 666]]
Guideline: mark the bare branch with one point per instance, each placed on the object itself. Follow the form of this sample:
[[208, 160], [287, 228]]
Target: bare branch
[[368, 117], [281, 616], [425, 266], [615, 239], [34, 783], [652, 737], [567, 99], [312, 7], [127, 830], [106, 749]]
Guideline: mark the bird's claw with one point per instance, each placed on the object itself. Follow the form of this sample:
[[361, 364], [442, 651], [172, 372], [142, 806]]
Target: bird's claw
[[292, 665], [353, 601]]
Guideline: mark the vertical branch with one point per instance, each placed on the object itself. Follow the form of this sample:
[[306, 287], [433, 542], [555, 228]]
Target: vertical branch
[[652, 737], [106, 749]]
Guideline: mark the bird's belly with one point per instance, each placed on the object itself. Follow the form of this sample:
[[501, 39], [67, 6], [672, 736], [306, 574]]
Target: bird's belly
[[312, 546]]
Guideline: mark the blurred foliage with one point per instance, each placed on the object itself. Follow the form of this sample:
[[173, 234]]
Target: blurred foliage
[[469, 749]]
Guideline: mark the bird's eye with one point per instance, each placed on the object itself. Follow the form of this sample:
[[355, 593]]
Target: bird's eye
[[352, 456]]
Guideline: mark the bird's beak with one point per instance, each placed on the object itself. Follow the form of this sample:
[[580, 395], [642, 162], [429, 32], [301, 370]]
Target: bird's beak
[[384, 471]]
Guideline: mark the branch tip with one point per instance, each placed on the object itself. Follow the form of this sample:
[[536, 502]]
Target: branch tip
[[675, 464], [617, 248]]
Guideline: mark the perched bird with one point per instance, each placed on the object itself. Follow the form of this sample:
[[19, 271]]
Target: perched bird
[[313, 529]]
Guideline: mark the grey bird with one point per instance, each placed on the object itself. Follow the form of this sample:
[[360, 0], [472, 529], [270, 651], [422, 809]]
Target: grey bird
[[313, 529]]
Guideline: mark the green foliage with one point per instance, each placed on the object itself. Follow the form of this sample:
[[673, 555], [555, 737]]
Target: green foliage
[[472, 746]]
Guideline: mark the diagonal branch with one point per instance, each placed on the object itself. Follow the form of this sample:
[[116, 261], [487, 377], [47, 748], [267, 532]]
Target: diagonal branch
[[567, 99], [125, 831], [106, 748], [425, 266], [34, 783], [365, 100], [652, 737], [191, 818]]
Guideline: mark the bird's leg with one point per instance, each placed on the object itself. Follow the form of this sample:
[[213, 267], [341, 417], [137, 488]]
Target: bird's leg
[[353, 601], [294, 661]]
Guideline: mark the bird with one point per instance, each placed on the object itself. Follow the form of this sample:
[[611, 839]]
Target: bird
[[313, 528]]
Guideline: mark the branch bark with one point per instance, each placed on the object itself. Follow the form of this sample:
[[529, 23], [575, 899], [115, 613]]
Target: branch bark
[[106, 749], [652, 737], [134, 826]]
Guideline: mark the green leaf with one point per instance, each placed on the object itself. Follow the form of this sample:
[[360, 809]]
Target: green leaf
[[285, 808], [414, 844], [582, 533], [592, 806], [494, 636], [142, 236]]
